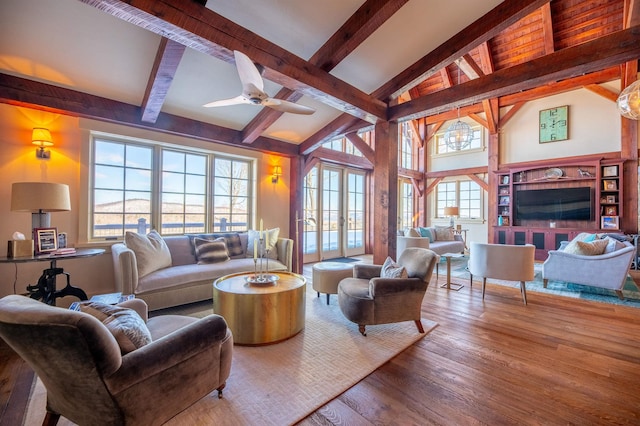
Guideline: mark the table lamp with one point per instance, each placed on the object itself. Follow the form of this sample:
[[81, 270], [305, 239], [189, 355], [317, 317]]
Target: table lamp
[[451, 212], [40, 198]]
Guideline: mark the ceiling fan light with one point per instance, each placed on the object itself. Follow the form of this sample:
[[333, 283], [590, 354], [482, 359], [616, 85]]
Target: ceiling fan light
[[458, 136], [629, 101]]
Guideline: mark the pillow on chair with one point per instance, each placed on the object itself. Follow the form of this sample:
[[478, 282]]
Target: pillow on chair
[[125, 324], [390, 269]]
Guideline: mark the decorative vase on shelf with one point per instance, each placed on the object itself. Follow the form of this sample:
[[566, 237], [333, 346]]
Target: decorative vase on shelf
[[500, 221]]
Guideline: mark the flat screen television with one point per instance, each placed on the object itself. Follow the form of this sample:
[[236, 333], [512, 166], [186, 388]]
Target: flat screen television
[[554, 204]]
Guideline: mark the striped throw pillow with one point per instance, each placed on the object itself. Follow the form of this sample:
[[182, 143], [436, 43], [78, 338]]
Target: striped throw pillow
[[210, 251]]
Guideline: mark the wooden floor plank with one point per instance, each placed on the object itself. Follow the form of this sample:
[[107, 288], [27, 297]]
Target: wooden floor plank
[[554, 361]]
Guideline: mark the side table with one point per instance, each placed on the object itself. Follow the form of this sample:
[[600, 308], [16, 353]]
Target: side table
[[45, 289]]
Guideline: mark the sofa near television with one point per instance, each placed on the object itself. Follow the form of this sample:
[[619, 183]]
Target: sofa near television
[[183, 278], [440, 239]]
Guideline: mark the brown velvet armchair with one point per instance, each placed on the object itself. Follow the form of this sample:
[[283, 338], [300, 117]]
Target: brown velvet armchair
[[89, 382], [367, 299]]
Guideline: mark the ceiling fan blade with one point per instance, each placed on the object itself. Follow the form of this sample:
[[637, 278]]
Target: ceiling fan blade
[[248, 72], [286, 106], [226, 102]]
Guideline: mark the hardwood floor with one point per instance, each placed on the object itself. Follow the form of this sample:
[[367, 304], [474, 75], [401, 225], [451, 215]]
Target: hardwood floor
[[555, 361]]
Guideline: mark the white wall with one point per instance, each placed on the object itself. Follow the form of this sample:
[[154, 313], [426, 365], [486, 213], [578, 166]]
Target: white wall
[[594, 128]]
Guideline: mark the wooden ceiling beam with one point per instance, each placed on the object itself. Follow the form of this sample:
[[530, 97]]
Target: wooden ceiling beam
[[342, 158], [486, 59], [361, 146], [164, 69], [547, 29], [571, 62], [364, 22], [45, 97], [469, 67], [337, 127], [349, 36], [202, 29], [602, 91], [491, 24]]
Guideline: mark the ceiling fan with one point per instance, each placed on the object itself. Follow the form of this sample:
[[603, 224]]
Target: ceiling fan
[[253, 90]]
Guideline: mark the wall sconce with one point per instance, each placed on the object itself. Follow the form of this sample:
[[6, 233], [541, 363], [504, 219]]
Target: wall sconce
[[277, 172], [41, 137]]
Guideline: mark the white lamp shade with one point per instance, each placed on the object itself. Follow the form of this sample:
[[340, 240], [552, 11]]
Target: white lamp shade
[[40, 196]]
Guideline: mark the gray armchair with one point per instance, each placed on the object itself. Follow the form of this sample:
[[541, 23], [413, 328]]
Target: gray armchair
[[367, 299], [89, 382]]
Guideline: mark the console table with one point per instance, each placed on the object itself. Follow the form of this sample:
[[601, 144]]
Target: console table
[[45, 290]]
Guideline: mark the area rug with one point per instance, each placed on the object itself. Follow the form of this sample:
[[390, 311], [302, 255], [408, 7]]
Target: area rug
[[283, 383], [561, 288], [342, 260]]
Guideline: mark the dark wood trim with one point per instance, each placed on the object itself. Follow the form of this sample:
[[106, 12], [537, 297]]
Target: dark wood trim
[[498, 19], [164, 69], [574, 61], [201, 29], [40, 96]]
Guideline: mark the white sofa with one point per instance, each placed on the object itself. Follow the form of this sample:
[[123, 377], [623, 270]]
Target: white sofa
[[410, 238], [185, 281], [608, 270]]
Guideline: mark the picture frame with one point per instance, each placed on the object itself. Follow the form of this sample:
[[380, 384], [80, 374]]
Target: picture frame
[[62, 240], [504, 200], [610, 185], [611, 211], [610, 222], [505, 180], [610, 171], [610, 199], [45, 240]]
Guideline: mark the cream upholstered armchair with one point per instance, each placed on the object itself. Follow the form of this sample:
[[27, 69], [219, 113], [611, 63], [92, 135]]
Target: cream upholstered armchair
[[502, 262], [367, 299], [90, 382]]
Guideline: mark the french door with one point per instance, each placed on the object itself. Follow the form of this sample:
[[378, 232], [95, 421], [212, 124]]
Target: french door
[[335, 197]]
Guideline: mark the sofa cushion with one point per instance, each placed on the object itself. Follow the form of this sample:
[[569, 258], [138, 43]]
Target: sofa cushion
[[592, 248], [413, 232], [125, 324], [583, 236], [151, 251], [184, 276], [390, 269], [444, 233], [231, 239], [269, 234], [210, 251], [426, 232]]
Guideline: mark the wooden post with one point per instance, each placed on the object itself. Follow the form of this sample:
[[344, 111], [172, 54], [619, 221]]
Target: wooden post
[[385, 191]]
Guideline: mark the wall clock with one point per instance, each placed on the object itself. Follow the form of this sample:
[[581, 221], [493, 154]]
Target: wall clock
[[554, 124]]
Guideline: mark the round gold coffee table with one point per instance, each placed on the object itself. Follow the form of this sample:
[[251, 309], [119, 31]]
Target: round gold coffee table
[[259, 314]]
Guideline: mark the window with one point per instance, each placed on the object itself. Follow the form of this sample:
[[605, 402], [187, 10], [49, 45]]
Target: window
[[231, 195], [184, 192], [405, 213], [140, 186], [405, 146], [122, 188], [476, 142], [465, 194]]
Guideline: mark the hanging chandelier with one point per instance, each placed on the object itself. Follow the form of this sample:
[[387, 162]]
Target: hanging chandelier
[[629, 101], [458, 136]]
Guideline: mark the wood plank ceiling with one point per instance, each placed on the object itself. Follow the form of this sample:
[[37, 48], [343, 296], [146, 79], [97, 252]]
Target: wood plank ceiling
[[520, 50]]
